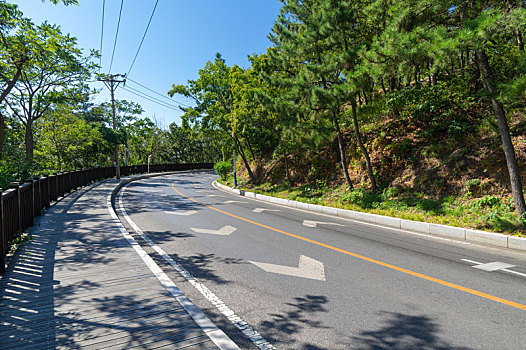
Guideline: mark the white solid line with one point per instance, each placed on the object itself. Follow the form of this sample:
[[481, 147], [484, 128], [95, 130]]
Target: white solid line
[[221, 340], [244, 327], [515, 272], [471, 261], [182, 212]]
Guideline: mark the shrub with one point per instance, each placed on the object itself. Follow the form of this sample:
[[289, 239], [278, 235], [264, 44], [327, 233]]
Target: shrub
[[223, 169]]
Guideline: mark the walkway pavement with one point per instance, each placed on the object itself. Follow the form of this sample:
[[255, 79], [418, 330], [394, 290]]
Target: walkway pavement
[[80, 284]]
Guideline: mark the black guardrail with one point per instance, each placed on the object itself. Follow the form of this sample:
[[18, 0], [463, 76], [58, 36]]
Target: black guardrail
[[22, 202]]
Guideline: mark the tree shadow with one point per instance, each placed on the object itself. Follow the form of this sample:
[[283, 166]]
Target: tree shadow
[[282, 327], [60, 291], [404, 332], [201, 266]]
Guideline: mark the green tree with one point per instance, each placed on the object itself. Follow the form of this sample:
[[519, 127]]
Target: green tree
[[57, 68], [213, 94]]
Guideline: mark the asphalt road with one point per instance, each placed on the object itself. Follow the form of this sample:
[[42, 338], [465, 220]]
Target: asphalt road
[[311, 281]]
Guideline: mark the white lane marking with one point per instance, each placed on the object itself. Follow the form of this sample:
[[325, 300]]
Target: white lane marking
[[307, 268], [494, 266], [181, 212], [211, 330], [223, 231], [471, 261], [229, 202], [216, 195], [237, 321], [311, 223], [260, 210], [364, 223], [515, 272], [149, 190]]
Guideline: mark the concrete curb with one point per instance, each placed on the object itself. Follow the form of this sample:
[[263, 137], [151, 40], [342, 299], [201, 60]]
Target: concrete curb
[[458, 233]]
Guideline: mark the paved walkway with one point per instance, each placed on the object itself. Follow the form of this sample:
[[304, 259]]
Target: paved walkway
[[79, 284]]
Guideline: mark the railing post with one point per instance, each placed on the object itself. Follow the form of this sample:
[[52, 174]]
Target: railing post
[[32, 190], [16, 187], [37, 205], [3, 243]]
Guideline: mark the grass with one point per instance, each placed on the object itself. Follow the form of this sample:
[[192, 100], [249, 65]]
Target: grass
[[488, 213]]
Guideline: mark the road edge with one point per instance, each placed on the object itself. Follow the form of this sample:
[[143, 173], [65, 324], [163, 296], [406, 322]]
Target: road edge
[[218, 337], [442, 231]]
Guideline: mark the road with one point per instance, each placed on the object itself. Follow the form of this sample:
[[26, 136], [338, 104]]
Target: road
[[310, 281]]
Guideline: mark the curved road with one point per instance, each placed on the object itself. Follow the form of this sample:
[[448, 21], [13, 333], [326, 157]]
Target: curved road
[[309, 281]]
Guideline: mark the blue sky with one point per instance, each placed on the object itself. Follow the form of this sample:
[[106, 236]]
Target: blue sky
[[183, 36]]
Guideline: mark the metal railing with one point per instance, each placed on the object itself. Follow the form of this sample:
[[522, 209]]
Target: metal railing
[[22, 202]]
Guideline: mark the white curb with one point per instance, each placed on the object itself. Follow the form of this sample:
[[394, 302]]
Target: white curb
[[489, 238]]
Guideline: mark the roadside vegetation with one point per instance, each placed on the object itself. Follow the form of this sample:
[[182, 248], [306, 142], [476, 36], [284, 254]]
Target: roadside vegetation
[[489, 213], [413, 109]]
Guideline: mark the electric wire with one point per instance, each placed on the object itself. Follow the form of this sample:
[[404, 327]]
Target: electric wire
[[116, 35], [158, 93], [150, 98], [144, 36], [101, 34], [154, 98]]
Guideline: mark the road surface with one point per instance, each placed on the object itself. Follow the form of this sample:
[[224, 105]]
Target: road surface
[[299, 280]]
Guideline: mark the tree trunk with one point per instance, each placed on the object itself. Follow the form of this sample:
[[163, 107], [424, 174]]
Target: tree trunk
[[392, 84], [507, 145], [475, 72], [341, 146], [520, 41], [365, 97], [28, 138], [383, 86], [243, 156], [10, 84], [362, 147], [249, 146]]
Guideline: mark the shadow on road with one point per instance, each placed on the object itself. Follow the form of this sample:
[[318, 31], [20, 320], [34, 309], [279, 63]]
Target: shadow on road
[[283, 328], [404, 332]]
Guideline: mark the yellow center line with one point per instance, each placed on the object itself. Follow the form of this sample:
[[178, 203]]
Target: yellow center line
[[374, 261]]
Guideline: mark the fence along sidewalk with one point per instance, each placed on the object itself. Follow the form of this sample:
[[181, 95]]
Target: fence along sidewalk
[[22, 202]]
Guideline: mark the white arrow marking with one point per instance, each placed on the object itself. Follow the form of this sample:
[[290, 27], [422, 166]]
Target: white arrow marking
[[310, 223], [493, 266], [224, 231], [308, 268], [181, 212], [228, 202], [260, 210]]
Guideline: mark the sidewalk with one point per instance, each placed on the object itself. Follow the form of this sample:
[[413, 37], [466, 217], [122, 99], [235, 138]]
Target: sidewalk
[[80, 284]]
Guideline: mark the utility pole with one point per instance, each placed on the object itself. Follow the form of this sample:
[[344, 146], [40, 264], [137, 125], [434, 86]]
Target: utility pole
[[112, 81]]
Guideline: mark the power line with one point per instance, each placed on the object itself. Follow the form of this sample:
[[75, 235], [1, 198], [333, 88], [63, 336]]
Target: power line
[[116, 34], [154, 99], [144, 36], [158, 93], [101, 34], [150, 98]]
